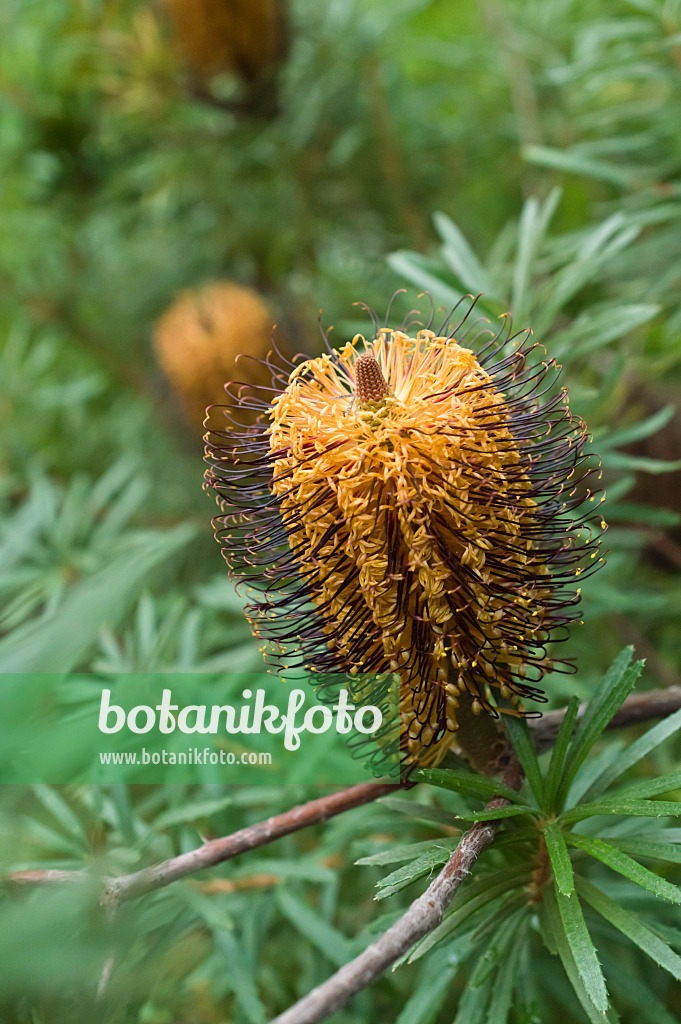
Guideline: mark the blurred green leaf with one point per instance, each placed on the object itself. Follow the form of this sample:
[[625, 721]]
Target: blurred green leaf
[[469, 784], [312, 925], [58, 644]]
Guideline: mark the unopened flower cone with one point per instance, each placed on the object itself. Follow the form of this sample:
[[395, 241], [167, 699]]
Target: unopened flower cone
[[410, 505], [210, 336]]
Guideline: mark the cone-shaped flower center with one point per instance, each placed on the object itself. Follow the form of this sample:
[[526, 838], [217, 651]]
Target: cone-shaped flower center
[[370, 385]]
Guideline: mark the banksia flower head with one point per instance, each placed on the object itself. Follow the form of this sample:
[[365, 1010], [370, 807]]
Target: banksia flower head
[[248, 39], [410, 505], [200, 337]]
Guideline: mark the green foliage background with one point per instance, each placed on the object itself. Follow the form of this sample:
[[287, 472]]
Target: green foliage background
[[528, 149]]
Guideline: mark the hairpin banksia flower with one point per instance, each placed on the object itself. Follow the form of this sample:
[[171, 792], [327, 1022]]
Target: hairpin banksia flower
[[200, 337], [409, 505], [248, 39]]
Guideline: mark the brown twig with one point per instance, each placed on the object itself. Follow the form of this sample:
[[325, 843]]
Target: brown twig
[[638, 708], [216, 851], [424, 914], [46, 876]]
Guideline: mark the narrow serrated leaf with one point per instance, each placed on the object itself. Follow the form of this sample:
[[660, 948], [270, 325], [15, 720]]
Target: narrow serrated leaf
[[534, 221], [431, 991], [576, 163], [559, 857], [507, 976], [62, 813], [461, 258], [471, 899], [498, 812], [652, 787], [635, 808], [240, 977], [593, 767], [617, 684], [406, 851], [191, 812], [473, 1003], [632, 927], [556, 941], [582, 949], [627, 866], [411, 266], [638, 995], [57, 643], [647, 848], [408, 873], [557, 762], [637, 431]]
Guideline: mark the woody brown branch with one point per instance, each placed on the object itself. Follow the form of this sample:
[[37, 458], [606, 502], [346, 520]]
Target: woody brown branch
[[424, 915], [261, 833], [637, 708]]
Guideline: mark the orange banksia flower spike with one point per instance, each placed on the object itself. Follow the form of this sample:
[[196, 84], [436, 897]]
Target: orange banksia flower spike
[[414, 504]]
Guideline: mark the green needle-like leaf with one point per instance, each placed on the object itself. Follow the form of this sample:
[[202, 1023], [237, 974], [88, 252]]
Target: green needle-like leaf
[[594, 1000], [646, 848], [627, 866], [582, 949], [634, 753], [406, 851], [312, 925], [617, 684], [574, 925], [498, 812], [427, 997], [653, 787], [483, 984], [408, 873], [473, 1003], [507, 975], [471, 899], [557, 762], [56, 644], [461, 258], [639, 996], [524, 748], [241, 977], [560, 859], [617, 805], [632, 927]]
